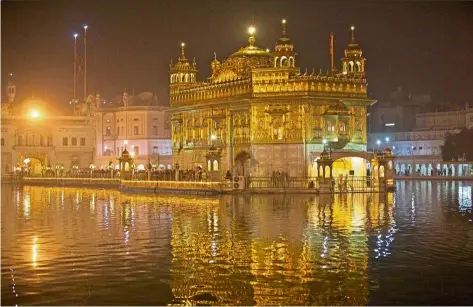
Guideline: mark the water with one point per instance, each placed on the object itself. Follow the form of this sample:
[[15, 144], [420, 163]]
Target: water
[[66, 246]]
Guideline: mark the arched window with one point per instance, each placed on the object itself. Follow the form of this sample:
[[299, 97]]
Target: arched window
[[276, 61], [351, 65], [215, 165], [291, 61], [358, 66], [181, 77], [209, 165], [283, 61], [186, 78]]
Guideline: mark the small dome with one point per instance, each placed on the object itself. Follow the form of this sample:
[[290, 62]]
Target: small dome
[[353, 49], [125, 153], [388, 151], [324, 155]]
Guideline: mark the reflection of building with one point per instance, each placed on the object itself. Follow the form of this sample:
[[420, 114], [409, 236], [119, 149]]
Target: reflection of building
[[29, 132], [141, 122], [260, 103]]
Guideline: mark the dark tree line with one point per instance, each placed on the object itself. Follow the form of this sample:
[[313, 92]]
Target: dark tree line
[[458, 146]]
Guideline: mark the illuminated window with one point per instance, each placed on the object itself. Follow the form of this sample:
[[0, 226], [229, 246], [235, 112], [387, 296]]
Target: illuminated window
[[65, 141], [108, 131], [82, 141], [108, 120], [74, 141]]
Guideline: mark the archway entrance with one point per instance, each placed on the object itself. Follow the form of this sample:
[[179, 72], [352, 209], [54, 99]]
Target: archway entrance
[[32, 166], [356, 165]]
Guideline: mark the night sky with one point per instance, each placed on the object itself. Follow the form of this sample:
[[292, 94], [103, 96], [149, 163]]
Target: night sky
[[426, 47]]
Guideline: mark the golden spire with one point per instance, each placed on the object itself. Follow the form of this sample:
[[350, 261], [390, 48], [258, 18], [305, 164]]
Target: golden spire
[[252, 31], [352, 28], [283, 27], [183, 46], [215, 56]]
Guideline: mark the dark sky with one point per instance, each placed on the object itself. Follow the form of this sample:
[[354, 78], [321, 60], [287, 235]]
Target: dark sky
[[423, 46]]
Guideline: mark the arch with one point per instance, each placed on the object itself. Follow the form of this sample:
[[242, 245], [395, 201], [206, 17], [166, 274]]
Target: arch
[[423, 170], [283, 61], [403, 169], [186, 78], [327, 171], [209, 165], [358, 66], [351, 64], [345, 68], [430, 170], [381, 171], [343, 166], [291, 61], [276, 61], [215, 165], [452, 170], [181, 77]]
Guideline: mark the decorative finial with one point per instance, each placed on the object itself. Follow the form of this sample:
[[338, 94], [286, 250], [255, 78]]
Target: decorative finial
[[352, 33], [283, 27], [252, 31], [183, 46], [215, 56]]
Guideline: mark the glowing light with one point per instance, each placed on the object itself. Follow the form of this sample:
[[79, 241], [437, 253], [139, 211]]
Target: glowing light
[[106, 147], [387, 139], [85, 27], [213, 137], [183, 44], [125, 142], [267, 49], [324, 141], [283, 21], [34, 114], [378, 142], [75, 35], [140, 167], [389, 124], [352, 28], [132, 154], [35, 251], [251, 30], [27, 160]]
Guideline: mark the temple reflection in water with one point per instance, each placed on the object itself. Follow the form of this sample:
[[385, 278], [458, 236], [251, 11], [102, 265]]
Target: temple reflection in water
[[229, 250]]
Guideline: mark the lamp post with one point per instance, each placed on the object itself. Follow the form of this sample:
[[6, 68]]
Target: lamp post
[[378, 142]]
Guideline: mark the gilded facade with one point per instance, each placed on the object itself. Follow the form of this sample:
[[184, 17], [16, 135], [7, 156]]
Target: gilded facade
[[261, 114]]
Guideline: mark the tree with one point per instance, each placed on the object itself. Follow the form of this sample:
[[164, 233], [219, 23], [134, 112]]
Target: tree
[[458, 146]]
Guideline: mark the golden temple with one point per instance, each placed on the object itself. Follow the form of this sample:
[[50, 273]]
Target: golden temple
[[258, 113]]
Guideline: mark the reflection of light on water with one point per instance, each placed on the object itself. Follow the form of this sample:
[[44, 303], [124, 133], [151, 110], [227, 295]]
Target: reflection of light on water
[[92, 203], [62, 200], [413, 209], [35, 252], [464, 198], [127, 235], [27, 204], [325, 247]]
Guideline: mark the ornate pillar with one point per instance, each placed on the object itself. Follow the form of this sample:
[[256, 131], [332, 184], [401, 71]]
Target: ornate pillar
[[325, 182]]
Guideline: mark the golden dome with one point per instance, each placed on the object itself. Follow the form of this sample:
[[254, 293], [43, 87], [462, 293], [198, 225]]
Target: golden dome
[[284, 42], [251, 49], [324, 155], [353, 48]]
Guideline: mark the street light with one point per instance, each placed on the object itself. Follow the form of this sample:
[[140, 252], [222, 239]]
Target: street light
[[387, 139], [34, 114], [379, 143]]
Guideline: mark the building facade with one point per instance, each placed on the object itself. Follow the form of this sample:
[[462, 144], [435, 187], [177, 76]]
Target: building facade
[[96, 134], [137, 123], [33, 139], [258, 113], [420, 149]]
